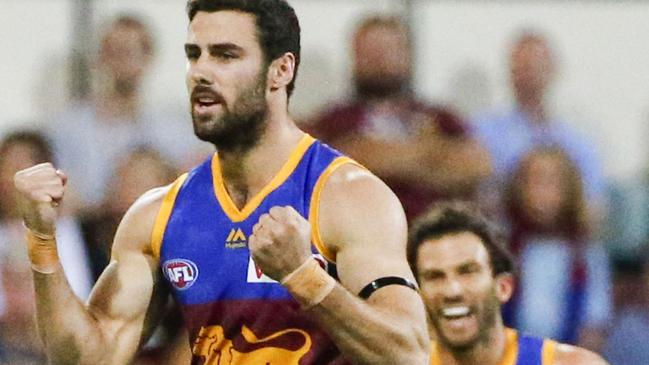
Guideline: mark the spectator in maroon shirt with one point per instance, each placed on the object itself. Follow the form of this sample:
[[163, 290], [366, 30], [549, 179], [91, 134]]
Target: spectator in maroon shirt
[[423, 152]]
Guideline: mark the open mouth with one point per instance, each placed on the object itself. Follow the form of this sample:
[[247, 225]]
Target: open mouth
[[451, 313], [458, 324], [205, 101], [458, 317], [205, 105]]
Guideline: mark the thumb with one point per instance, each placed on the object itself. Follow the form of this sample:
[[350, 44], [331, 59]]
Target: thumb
[[62, 176]]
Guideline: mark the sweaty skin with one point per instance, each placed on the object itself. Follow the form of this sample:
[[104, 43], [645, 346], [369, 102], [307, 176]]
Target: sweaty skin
[[361, 222]]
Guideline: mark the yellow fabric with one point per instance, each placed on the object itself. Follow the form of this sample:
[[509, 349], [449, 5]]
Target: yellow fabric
[[314, 209], [163, 216], [287, 169], [549, 348], [309, 284], [42, 252]]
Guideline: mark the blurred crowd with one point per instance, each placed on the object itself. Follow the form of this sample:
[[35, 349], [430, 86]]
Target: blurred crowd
[[523, 164]]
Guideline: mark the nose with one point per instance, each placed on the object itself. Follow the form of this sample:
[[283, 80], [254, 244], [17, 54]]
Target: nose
[[199, 72], [452, 289]]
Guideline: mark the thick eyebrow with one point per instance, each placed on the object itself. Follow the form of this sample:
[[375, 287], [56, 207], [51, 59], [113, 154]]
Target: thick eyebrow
[[461, 267], [429, 272], [223, 47], [469, 265], [191, 47]]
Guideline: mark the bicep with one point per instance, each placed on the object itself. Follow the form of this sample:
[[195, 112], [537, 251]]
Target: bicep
[[130, 294], [124, 293], [371, 252], [368, 226], [357, 267]]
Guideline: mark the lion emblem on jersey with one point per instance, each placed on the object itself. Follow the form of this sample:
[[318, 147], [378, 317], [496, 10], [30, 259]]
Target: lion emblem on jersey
[[213, 348]]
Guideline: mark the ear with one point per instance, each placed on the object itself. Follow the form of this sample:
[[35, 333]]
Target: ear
[[281, 71], [504, 287]]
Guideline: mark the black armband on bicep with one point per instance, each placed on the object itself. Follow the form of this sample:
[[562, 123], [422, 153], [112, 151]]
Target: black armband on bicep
[[377, 284]]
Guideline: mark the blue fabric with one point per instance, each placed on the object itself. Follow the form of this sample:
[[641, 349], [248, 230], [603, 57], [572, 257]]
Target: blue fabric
[[574, 313], [198, 228], [530, 350], [549, 304], [628, 337], [509, 136]]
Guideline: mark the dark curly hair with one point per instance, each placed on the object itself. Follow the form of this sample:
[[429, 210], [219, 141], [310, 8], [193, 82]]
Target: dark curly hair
[[278, 28], [458, 217]]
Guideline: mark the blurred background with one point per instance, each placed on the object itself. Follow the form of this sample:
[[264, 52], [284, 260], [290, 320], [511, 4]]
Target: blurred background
[[538, 110]]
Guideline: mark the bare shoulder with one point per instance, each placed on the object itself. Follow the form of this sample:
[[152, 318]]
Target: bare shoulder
[[363, 225], [134, 231], [353, 173], [357, 189], [572, 355], [354, 198]]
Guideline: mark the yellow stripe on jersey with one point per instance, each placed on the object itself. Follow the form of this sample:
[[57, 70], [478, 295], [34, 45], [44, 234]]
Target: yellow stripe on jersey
[[314, 210], [549, 348], [226, 202], [511, 349], [163, 215]]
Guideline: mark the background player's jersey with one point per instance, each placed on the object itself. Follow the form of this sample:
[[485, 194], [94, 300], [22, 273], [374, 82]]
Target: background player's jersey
[[234, 313], [519, 350]]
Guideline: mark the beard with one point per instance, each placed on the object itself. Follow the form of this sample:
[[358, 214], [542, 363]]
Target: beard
[[240, 127], [380, 87], [486, 314], [125, 87]]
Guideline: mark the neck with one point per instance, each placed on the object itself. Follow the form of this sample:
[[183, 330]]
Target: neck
[[115, 106], [534, 107], [246, 173], [489, 352]]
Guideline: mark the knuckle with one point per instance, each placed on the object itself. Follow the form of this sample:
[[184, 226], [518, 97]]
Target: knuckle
[[252, 242], [293, 223]]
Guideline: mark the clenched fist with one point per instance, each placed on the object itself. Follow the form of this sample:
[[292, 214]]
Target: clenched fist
[[280, 242], [41, 189]]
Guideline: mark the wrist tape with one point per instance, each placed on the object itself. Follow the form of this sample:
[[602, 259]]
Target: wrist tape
[[42, 252], [309, 284]]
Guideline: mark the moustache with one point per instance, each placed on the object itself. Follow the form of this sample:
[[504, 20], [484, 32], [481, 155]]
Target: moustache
[[205, 92]]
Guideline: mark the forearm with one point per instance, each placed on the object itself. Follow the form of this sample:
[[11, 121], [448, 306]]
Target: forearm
[[449, 166], [65, 326], [109, 329], [68, 331], [72, 332], [393, 160], [369, 335], [388, 328], [457, 165], [373, 154]]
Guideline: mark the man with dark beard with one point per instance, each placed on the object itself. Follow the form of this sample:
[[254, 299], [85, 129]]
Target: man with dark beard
[[465, 274], [423, 152], [278, 249]]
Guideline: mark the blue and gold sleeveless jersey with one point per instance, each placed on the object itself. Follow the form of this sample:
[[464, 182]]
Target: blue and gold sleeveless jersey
[[519, 350], [234, 313]]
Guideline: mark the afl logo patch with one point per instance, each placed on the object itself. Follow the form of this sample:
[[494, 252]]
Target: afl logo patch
[[181, 273]]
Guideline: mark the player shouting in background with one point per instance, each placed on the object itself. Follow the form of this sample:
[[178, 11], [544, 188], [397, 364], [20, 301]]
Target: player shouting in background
[[465, 275]]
